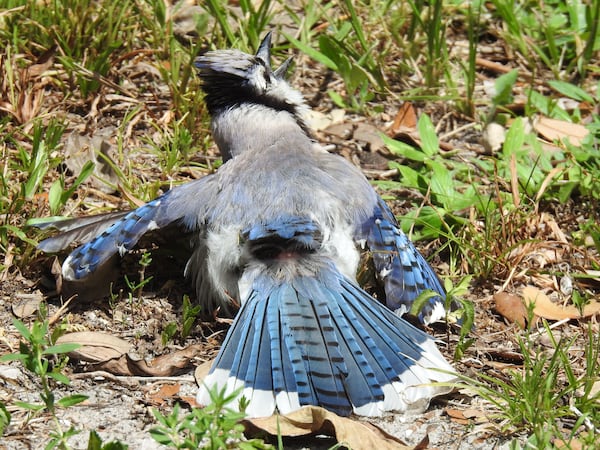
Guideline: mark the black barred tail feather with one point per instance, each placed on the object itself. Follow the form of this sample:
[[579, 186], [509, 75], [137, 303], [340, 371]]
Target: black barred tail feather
[[321, 340]]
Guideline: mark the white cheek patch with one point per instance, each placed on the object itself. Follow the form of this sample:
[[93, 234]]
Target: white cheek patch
[[257, 79]]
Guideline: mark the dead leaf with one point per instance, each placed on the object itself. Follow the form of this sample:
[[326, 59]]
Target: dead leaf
[[161, 366], [202, 371], [26, 304], [80, 148], [313, 420], [554, 129], [544, 307], [406, 119], [190, 401], [95, 346], [457, 416], [573, 444], [511, 307], [319, 121], [370, 135], [166, 392]]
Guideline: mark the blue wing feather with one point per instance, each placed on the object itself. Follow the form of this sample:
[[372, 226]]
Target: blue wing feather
[[122, 235], [400, 267]]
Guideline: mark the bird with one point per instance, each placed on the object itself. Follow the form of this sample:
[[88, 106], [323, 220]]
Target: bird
[[279, 228]]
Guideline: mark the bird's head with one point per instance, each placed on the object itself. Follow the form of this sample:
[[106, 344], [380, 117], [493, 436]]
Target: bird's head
[[231, 78]]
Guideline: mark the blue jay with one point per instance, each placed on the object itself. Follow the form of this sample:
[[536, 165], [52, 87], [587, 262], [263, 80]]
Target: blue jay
[[279, 228]]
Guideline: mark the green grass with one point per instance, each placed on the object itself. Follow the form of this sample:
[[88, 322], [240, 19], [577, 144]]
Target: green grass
[[548, 392], [82, 65]]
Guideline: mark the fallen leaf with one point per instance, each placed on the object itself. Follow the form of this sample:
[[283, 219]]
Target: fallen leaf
[[80, 148], [26, 304], [511, 307], [370, 135], [166, 392], [202, 371], [406, 119], [95, 346], [573, 444], [190, 401], [544, 307], [319, 121], [457, 416], [554, 129], [161, 366], [313, 420]]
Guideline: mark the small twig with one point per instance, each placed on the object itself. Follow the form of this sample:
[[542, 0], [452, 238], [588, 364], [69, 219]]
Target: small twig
[[125, 378], [56, 316], [586, 420], [550, 327]]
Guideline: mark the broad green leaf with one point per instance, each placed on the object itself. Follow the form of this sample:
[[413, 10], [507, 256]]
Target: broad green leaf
[[421, 300], [571, 91], [22, 329], [5, 418], [60, 377], [402, 149], [55, 196], [61, 348], [429, 140], [503, 86], [13, 357], [514, 138], [410, 177], [71, 400], [442, 184], [29, 406]]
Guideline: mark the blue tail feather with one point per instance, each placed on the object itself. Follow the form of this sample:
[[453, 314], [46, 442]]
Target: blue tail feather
[[325, 343]]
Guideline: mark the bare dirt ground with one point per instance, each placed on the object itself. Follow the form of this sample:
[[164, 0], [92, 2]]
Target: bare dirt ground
[[122, 394]]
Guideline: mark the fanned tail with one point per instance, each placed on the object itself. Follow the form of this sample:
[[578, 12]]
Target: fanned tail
[[321, 340]]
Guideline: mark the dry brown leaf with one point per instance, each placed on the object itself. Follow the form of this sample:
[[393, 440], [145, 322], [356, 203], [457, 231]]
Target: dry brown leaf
[[95, 346], [80, 149], [406, 119], [313, 420], [467, 416], [544, 307], [190, 401], [161, 366], [166, 392], [552, 129], [370, 135], [202, 371], [573, 444], [511, 307], [457, 416], [26, 304]]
